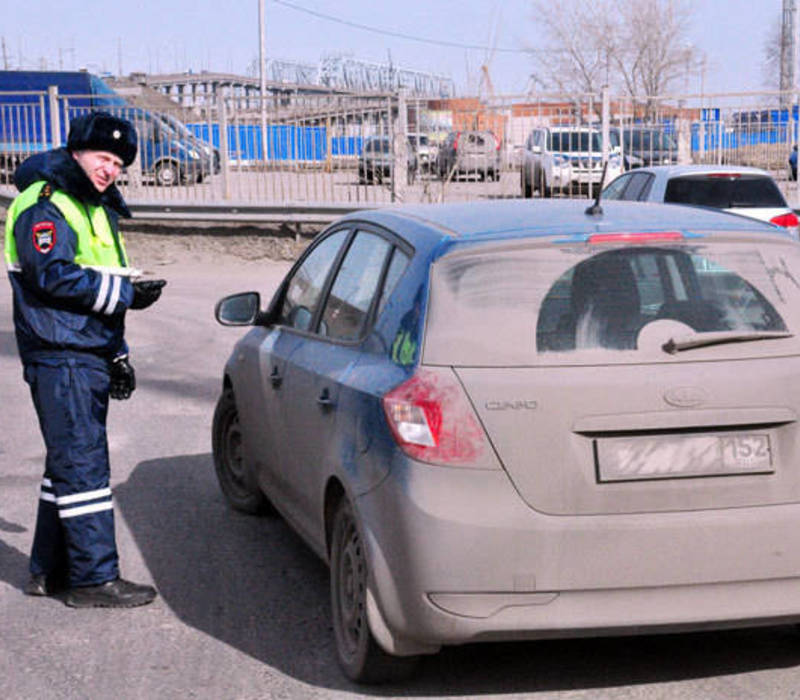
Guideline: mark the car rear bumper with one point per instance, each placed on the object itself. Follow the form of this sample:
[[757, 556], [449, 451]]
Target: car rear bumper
[[456, 556]]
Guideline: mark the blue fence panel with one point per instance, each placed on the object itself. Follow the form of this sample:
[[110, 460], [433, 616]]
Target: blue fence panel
[[284, 142]]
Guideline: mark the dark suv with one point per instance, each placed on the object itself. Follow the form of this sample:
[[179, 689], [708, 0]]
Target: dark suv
[[644, 146]]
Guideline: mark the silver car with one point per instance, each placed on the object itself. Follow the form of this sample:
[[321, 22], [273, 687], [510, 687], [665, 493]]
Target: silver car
[[522, 419]]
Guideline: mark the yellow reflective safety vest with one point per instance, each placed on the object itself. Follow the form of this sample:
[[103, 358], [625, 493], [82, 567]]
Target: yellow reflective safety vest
[[97, 245], [82, 312]]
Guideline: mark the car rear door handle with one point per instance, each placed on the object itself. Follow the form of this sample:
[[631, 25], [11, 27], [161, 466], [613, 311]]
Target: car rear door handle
[[324, 399], [275, 377]]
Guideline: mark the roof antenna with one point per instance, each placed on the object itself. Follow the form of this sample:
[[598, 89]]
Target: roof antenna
[[596, 209]]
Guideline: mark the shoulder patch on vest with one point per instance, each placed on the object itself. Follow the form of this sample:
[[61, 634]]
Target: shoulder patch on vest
[[44, 236], [46, 191]]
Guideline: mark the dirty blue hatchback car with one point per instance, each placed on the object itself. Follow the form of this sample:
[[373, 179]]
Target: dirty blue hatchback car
[[525, 419]]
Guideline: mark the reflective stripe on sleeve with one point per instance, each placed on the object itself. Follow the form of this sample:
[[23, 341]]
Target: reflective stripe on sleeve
[[116, 288], [105, 280]]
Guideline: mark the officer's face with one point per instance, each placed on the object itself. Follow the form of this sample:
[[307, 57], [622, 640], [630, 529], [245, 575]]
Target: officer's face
[[101, 167]]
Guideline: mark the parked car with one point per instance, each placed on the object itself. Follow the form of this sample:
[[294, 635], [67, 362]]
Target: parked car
[[376, 162], [515, 420], [740, 190], [645, 146], [469, 154], [566, 159], [425, 150]]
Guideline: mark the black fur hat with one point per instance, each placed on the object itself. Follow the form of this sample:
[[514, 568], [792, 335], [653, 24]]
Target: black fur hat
[[101, 131]]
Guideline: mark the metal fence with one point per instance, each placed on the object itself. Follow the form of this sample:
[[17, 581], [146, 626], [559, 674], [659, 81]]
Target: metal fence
[[363, 150]]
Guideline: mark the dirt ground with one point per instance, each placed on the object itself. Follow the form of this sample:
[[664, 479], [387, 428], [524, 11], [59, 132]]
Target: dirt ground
[[165, 248]]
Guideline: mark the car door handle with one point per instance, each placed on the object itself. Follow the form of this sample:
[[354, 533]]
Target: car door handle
[[276, 377], [325, 400]]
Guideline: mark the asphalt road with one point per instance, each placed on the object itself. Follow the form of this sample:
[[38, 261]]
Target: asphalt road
[[243, 611]]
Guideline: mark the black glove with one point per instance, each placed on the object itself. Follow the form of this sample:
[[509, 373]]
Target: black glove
[[123, 378], [146, 292]]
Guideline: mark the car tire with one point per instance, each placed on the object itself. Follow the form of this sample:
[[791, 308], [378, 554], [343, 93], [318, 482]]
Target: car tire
[[527, 187], [167, 174], [235, 479], [544, 190], [358, 653]]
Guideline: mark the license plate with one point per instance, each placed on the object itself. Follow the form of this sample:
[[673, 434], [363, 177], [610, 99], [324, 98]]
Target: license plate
[[674, 456]]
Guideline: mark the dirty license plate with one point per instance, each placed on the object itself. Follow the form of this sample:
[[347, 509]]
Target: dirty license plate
[[674, 456]]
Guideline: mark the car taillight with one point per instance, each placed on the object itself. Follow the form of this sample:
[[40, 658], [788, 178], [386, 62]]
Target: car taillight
[[455, 141], [788, 220], [433, 421]]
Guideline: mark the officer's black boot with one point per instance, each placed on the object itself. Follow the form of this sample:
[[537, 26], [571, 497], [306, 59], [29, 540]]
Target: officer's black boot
[[44, 585], [118, 593]]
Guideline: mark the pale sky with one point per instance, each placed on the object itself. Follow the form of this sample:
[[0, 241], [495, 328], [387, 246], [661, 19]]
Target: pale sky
[[219, 35]]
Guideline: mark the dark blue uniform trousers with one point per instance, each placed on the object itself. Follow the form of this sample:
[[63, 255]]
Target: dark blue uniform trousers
[[75, 522]]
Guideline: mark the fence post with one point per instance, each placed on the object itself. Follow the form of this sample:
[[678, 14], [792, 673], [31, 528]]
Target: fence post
[[223, 147], [606, 118], [55, 117], [400, 149], [684, 127]]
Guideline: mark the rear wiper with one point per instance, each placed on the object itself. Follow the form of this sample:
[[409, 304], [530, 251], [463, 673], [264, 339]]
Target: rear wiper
[[699, 340]]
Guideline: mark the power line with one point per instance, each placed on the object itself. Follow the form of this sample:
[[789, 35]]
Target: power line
[[398, 35]]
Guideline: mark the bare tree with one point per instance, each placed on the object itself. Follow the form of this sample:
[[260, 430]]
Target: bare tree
[[638, 46], [771, 67], [576, 58]]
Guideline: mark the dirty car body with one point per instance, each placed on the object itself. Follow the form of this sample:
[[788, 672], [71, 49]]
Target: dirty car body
[[515, 420]]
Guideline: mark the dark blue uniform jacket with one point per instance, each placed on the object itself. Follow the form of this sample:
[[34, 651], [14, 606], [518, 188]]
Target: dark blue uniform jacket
[[60, 308]]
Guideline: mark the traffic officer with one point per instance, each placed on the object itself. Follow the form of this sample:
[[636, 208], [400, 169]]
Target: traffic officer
[[72, 286]]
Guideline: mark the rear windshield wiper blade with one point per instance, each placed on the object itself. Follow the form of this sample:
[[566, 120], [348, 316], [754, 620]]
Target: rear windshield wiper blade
[[699, 340]]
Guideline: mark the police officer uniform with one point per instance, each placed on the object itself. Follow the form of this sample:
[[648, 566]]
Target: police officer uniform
[[71, 283]]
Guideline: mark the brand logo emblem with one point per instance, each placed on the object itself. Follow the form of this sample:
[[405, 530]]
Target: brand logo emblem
[[685, 396]]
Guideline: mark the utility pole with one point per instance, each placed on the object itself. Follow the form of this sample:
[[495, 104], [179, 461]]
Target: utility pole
[[263, 78]]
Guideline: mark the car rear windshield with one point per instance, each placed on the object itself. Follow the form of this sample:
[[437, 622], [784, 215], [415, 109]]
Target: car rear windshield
[[530, 306], [724, 192]]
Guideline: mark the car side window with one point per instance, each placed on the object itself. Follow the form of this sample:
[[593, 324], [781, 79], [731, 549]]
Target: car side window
[[529, 142], [397, 267], [306, 284], [616, 188], [357, 279], [638, 187]]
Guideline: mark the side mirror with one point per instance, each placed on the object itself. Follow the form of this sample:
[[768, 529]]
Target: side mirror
[[242, 309], [536, 149]]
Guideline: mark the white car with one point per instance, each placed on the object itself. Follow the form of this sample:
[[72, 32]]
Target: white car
[[565, 159], [737, 189]]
